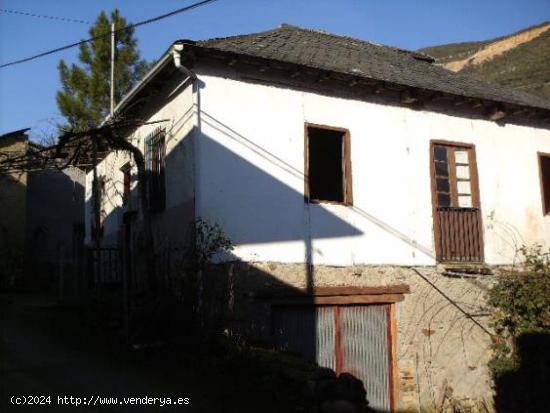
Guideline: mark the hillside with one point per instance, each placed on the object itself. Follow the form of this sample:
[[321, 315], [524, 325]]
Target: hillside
[[520, 60]]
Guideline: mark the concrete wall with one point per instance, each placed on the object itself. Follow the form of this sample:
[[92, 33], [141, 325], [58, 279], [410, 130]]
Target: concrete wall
[[251, 165]]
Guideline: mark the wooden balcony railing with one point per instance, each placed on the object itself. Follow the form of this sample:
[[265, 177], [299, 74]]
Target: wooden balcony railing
[[459, 234]]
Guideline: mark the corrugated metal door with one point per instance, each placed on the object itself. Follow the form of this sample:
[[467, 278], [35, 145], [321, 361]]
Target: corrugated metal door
[[365, 350], [352, 339]]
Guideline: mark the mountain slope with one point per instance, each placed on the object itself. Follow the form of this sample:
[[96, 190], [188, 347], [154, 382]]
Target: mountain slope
[[520, 60]]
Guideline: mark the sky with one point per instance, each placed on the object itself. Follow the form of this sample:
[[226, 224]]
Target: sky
[[27, 91]]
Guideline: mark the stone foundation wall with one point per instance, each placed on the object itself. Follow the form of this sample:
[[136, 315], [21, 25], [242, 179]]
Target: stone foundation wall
[[442, 353]]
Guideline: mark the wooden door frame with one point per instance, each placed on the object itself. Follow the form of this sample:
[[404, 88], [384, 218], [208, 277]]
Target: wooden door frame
[[474, 181], [545, 207], [393, 373]]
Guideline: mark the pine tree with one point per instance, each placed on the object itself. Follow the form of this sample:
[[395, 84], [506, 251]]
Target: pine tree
[[84, 99]]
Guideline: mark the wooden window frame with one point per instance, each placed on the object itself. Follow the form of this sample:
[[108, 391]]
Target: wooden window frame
[[126, 183], [474, 179], [346, 159], [545, 204]]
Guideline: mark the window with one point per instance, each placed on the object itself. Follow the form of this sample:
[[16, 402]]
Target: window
[[127, 185], [544, 164], [96, 221], [453, 166], [328, 165], [155, 154]]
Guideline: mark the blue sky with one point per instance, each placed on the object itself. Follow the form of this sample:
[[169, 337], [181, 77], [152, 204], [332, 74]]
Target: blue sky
[[27, 91]]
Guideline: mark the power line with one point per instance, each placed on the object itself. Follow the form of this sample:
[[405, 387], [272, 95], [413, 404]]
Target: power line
[[42, 16], [142, 23]]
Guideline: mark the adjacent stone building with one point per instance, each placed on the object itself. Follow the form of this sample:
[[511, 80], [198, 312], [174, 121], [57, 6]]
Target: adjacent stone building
[[41, 220]]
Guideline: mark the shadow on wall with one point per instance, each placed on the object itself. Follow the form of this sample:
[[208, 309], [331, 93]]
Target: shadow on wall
[[526, 389], [296, 175], [258, 208], [351, 342], [255, 207]]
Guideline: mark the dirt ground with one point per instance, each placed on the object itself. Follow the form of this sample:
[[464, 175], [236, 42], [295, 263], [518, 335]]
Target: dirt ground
[[46, 350]]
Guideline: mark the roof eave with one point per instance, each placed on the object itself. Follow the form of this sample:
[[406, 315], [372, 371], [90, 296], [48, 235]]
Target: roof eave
[[162, 62], [207, 49], [15, 133]]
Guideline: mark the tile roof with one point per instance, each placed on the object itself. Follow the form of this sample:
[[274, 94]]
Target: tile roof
[[346, 55]]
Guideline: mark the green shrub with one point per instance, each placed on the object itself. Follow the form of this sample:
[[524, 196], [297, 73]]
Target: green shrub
[[522, 298], [520, 364], [249, 378]]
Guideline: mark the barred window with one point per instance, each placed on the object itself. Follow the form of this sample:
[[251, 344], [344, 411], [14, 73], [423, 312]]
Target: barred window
[[155, 155]]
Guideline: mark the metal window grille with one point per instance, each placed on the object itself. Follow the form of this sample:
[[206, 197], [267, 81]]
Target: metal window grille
[[155, 156]]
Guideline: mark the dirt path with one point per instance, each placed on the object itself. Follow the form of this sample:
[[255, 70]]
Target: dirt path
[[38, 359]]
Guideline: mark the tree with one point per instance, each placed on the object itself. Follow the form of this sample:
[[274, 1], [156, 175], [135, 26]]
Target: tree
[[84, 99]]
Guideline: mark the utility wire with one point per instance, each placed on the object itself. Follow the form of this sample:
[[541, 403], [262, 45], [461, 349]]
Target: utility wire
[[142, 23], [42, 16], [450, 300]]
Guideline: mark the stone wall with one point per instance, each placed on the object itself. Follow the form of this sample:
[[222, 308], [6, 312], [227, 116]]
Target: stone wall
[[13, 191], [443, 341], [13, 198]]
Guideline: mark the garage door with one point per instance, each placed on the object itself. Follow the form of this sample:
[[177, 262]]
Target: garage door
[[353, 339]]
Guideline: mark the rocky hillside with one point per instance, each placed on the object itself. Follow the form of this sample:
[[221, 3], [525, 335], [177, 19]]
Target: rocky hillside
[[520, 60]]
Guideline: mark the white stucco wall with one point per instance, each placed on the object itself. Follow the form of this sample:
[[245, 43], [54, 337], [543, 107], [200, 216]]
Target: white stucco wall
[[180, 118], [247, 164], [250, 164]]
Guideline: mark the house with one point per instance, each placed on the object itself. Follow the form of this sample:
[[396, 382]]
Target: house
[[41, 234], [371, 196]]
